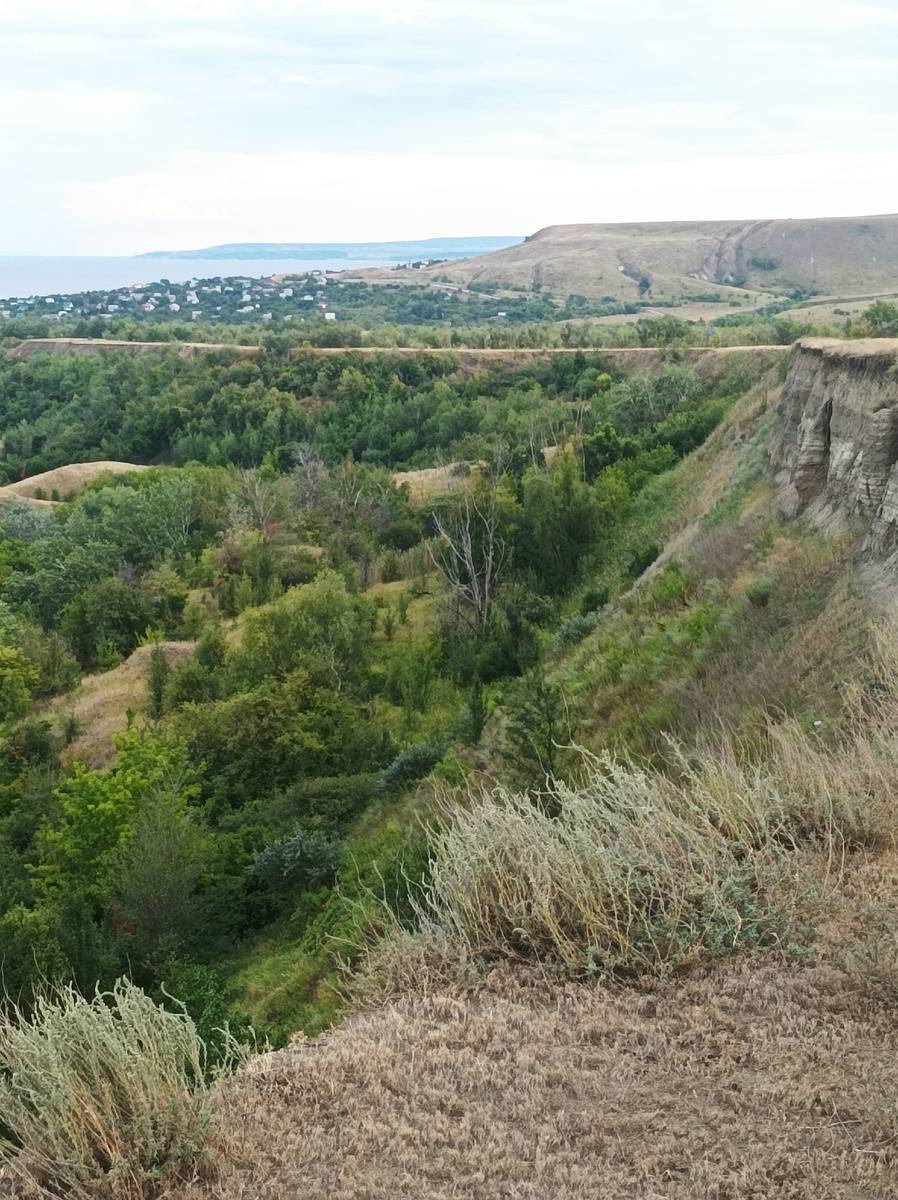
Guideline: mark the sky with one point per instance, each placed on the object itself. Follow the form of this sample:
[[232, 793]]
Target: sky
[[135, 126]]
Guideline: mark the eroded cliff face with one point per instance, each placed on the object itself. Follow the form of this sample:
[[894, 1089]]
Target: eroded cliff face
[[835, 446]]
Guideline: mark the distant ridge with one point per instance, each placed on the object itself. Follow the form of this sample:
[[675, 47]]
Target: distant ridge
[[430, 248], [823, 256]]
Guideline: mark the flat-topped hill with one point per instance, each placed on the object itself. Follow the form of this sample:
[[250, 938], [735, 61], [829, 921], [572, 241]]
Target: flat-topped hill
[[831, 256], [91, 347]]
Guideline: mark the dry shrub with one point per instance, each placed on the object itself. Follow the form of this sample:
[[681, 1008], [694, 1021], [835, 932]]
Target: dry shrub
[[102, 1098], [628, 873]]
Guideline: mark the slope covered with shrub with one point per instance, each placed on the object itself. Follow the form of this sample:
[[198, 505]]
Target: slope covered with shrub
[[340, 642], [601, 715]]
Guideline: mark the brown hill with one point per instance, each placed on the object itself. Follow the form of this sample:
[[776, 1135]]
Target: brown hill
[[837, 256], [101, 704]]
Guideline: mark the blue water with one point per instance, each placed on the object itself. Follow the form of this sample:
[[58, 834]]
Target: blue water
[[33, 276]]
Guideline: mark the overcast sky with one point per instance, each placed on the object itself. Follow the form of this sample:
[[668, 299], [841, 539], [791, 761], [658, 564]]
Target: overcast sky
[[174, 124]]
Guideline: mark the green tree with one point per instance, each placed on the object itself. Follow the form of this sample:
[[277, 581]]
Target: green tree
[[319, 626], [107, 614], [539, 730], [882, 317], [18, 679], [160, 861], [98, 809]]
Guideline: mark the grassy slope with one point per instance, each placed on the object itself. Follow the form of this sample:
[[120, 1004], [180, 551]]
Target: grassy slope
[[743, 614], [771, 1076], [842, 256], [716, 514]]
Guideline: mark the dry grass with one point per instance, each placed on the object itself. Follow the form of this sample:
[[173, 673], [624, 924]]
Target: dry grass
[[689, 258], [65, 480], [635, 871], [625, 874], [433, 481], [100, 706], [762, 1081], [104, 1098], [93, 347]]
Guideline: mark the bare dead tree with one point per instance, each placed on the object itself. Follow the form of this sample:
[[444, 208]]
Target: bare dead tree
[[471, 554], [310, 478], [255, 501]]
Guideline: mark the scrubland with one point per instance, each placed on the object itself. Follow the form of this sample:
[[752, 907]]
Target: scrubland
[[612, 909]]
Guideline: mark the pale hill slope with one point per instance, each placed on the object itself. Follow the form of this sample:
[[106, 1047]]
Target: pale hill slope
[[101, 705], [832, 256], [65, 480]]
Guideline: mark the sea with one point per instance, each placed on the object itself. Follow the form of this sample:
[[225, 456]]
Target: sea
[[21, 277]]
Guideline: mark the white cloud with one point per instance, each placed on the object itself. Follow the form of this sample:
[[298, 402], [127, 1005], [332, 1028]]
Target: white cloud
[[132, 125], [323, 198]]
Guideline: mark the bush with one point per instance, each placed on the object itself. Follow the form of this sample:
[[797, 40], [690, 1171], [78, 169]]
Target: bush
[[23, 522], [758, 593], [301, 863], [575, 629], [105, 622], [641, 561], [191, 683], [412, 764], [390, 567], [631, 875], [103, 1098], [594, 599], [331, 801]]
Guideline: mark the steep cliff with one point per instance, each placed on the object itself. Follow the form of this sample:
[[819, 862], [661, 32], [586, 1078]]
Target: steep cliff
[[835, 446]]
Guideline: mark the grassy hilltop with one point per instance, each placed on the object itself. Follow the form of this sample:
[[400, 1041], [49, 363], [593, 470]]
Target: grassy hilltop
[[501, 712], [830, 255]]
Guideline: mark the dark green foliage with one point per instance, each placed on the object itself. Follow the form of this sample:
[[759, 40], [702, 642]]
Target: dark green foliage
[[882, 317], [412, 764], [191, 683], [762, 262], [575, 629], [302, 862], [594, 599], [203, 993], [476, 712], [390, 568], [263, 741], [285, 737], [109, 616], [330, 803], [158, 678], [641, 561], [540, 728]]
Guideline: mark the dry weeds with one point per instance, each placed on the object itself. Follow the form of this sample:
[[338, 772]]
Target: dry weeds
[[761, 1081], [104, 1098], [432, 481]]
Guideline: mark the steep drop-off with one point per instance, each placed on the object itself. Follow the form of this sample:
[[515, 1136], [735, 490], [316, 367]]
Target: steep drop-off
[[835, 446]]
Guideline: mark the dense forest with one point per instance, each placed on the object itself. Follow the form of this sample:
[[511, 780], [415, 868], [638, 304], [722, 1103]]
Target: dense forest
[[317, 638]]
